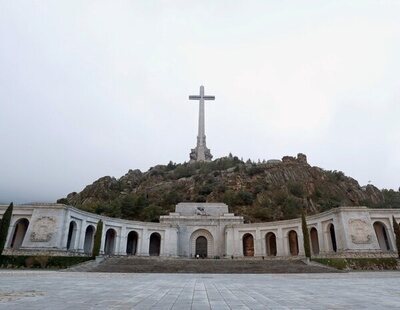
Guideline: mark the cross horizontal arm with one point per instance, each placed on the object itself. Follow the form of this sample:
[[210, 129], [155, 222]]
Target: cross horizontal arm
[[199, 97]]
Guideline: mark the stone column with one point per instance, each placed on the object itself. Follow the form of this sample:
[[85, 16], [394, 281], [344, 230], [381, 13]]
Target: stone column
[[300, 240], [280, 243], [65, 229], [122, 242], [258, 249], [103, 238], [321, 240], [145, 242], [81, 237]]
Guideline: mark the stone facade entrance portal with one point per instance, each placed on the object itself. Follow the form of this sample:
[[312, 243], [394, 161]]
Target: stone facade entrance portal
[[202, 244]]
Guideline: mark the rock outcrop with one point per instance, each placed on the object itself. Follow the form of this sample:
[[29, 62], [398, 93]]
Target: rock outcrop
[[271, 190]]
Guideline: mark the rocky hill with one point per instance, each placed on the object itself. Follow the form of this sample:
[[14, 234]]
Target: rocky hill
[[264, 191]]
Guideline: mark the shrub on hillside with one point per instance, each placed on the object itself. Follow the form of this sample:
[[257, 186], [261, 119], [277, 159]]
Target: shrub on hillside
[[5, 225], [97, 239]]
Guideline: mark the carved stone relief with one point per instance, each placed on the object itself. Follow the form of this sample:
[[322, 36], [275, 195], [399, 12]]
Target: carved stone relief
[[360, 231], [43, 229]]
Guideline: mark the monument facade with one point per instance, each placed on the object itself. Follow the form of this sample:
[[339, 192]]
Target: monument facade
[[204, 230]]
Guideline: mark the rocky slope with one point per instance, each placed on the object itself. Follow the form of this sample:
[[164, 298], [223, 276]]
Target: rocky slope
[[265, 191]]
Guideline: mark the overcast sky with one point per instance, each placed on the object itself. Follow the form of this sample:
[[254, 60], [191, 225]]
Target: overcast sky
[[95, 88]]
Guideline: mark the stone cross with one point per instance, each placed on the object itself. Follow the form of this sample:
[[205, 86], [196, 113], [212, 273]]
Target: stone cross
[[201, 152]]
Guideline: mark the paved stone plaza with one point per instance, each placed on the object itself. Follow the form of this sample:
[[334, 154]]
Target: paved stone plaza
[[67, 290]]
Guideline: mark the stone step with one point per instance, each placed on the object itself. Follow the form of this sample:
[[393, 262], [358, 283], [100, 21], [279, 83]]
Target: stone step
[[162, 265]]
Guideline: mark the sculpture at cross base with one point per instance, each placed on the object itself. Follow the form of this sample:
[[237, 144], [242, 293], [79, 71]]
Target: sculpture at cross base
[[201, 152]]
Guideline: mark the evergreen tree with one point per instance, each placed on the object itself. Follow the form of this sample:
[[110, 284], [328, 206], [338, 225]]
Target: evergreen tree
[[97, 239], [396, 229], [306, 236], [5, 224]]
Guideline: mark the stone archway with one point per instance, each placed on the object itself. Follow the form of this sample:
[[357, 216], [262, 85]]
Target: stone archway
[[89, 238], [21, 226], [248, 245], [109, 244], [382, 236], [155, 244], [200, 239], [131, 245], [71, 235], [314, 241], [293, 243], [270, 244]]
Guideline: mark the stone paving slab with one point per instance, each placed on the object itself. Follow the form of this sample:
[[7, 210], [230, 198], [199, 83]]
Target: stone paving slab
[[60, 290]]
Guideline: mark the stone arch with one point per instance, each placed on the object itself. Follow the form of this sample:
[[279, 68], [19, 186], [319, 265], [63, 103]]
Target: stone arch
[[332, 238], [314, 241], [382, 236], [89, 238], [21, 227], [248, 245], [72, 235], [270, 244], [155, 244], [194, 240], [293, 243], [109, 244], [132, 243]]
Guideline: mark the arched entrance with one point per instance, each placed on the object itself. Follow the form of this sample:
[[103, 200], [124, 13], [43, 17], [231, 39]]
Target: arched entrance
[[71, 235], [89, 236], [332, 238], [293, 243], [21, 226], [155, 244], [270, 244], [314, 241], [201, 247], [382, 236], [131, 246], [109, 244], [202, 244], [248, 245]]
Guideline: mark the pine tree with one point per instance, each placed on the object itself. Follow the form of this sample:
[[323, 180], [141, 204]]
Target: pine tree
[[5, 225], [396, 229], [97, 239], [306, 236]]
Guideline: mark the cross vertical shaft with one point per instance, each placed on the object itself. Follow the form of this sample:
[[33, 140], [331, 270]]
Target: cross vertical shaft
[[201, 133]]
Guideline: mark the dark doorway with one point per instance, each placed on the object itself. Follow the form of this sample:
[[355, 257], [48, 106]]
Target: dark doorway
[[88, 244], [270, 240], [21, 226], [201, 247], [293, 243], [381, 235], [248, 245], [155, 244], [131, 246], [333, 237], [71, 235], [314, 241], [109, 244]]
